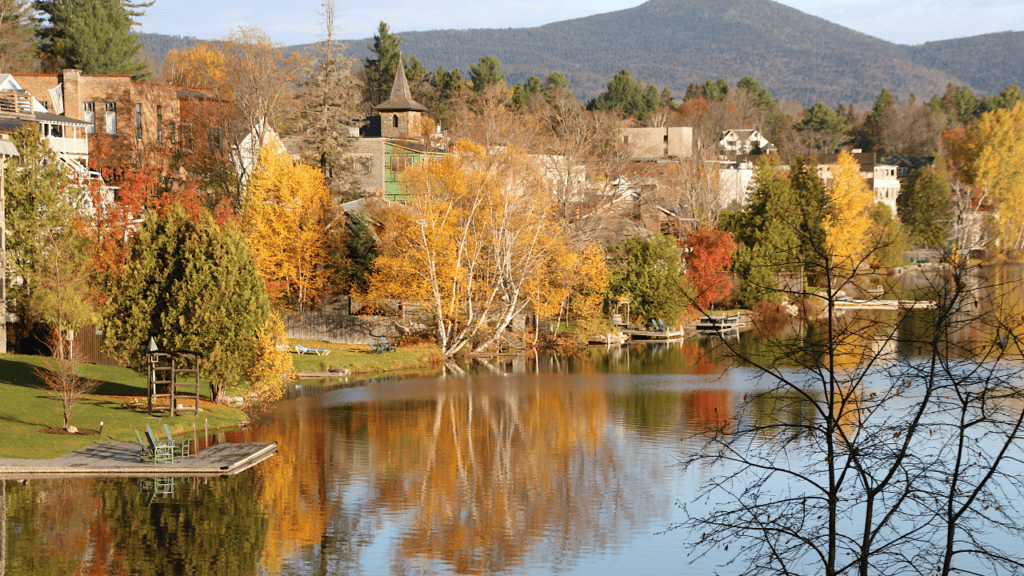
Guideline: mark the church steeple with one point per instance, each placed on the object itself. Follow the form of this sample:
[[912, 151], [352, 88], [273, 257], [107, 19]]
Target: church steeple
[[401, 98]]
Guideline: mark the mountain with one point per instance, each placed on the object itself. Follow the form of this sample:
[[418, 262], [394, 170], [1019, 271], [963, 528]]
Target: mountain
[[676, 42], [988, 62]]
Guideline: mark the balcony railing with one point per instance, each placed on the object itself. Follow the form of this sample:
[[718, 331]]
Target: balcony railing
[[74, 146]]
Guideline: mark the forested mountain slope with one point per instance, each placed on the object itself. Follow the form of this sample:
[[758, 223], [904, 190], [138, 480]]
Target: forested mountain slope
[[675, 42]]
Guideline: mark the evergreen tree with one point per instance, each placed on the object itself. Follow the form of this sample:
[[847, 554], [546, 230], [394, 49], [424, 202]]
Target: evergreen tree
[[628, 96], [39, 209], [926, 206], [555, 81], [94, 36], [826, 127], [191, 285], [17, 36], [486, 73], [759, 96], [780, 230], [870, 136], [522, 94], [361, 251], [714, 89], [1007, 98], [380, 71], [444, 88], [959, 103], [649, 273], [328, 108]]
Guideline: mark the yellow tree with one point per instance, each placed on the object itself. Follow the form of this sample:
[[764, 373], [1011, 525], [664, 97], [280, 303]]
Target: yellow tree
[[476, 243], [997, 145], [848, 220], [200, 66], [288, 218]]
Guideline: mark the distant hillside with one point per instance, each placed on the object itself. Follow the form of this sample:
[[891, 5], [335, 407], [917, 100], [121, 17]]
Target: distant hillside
[[675, 42], [988, 62], [158, 45]]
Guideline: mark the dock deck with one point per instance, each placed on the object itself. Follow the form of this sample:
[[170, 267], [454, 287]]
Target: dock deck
[[121, 459], [652, 334]]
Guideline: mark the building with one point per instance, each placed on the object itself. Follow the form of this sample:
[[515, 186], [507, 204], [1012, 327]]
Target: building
[[743, 142], [67, 137], [881, 179], [111, 105], [397, 137], [663, 143]]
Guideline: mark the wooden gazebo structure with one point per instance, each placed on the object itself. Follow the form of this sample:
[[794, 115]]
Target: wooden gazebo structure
[[173, 375]]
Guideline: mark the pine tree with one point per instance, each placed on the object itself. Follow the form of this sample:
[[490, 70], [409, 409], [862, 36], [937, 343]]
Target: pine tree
[[94, 36], [486, 73], [926, 206], [191, 285], [361, 251], [328, 108], [17, 36], [380, 71], [40, 208]]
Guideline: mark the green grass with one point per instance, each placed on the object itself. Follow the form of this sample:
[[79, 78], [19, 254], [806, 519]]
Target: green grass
[[360, 360], [27, 409]]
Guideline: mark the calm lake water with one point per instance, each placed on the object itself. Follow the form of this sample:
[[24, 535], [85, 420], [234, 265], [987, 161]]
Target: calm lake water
[[548, 465]]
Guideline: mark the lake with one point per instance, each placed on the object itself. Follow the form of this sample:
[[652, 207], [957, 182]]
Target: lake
[[540, 465]]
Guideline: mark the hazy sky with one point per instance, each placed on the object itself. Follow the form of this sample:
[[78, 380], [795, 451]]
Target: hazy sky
[[296, 21]]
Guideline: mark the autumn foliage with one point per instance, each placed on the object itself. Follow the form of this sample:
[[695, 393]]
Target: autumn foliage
[[848, 221], [707, 253], [478, 243], [288, 217]]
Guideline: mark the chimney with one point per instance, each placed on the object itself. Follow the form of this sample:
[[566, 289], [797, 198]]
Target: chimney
[[72, 93]]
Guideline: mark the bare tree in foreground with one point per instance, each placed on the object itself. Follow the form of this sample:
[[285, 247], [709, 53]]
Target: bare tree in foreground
[[878, 442]]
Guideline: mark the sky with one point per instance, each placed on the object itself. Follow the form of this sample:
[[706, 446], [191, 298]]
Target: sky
[[298, 21]]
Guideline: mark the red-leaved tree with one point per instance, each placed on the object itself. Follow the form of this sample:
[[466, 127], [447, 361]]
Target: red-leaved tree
[[707, 253]]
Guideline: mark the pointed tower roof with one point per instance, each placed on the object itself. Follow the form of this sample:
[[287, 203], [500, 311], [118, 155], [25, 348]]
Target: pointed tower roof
[[401, 98]]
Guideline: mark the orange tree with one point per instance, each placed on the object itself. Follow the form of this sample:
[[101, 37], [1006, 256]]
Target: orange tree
[[288, 220], [477, 242]]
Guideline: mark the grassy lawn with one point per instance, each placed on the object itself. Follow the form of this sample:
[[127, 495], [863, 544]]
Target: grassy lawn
[[359, 359], [27, 409]]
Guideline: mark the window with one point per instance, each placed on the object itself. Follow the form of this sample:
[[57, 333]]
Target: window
[[110, 117], [216, 139], [89, 115], [159, 123], [173, 141], [138, 121], [394, 121], [400, 163]]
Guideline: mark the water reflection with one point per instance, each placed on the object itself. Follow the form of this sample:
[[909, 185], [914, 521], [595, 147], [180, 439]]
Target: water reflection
[[534, 464], [116, 526]]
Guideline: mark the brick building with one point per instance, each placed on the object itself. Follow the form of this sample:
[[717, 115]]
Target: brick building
[[131, 122]]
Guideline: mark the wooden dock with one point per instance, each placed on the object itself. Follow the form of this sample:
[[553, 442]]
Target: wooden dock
[[121, 459], [725, 326], [652, 334], [885, 304]]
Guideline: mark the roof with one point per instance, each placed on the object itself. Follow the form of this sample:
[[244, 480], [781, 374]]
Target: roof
[[7, 148], [401, 98], [58, 119], [8, 125]]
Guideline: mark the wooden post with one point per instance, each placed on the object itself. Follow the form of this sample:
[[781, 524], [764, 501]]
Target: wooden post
[[3, 257], [174, 382]]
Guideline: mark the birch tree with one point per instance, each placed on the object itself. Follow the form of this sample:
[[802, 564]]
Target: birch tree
[[475, 244], [287, 219]]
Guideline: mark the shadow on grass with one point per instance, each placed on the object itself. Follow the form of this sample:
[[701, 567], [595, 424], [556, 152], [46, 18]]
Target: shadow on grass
[[22, 373]]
